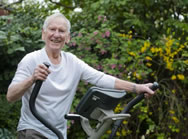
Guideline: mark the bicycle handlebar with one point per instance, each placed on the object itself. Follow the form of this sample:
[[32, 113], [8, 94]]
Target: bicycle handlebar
[[133, 102], [34, 111]]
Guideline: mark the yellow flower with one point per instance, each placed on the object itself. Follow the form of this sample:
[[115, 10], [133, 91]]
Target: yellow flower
[[160, 50], [123, 131], [177, 130], [148, 64], [117, 133], [168, 51], [125, 122], [166, 59], [169, 65], [153, 50], [147, 44], [130, 36], [174, 53], [171, 112], [169, 43], [180, 76], [153, 74], [118, 108], [138, 76], [109, 131], [130, 32], [173, 91], [148, 58], [175, 119], [134, 74], [182, 46], [143, 49], [132, 54], [173, 77], [186, 62], [123, 35]]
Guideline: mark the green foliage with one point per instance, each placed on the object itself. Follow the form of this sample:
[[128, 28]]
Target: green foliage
[[141, 41], [148, 44], [5, 134], [20, 33], [9, 116]]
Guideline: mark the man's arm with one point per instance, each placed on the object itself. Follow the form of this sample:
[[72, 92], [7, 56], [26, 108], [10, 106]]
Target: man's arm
[[133, 87], [16, 91]]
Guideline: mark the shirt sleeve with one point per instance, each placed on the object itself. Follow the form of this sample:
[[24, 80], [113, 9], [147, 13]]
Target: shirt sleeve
[[96, 77], [24, 70]]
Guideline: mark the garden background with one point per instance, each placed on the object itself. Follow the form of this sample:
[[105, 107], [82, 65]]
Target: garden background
[[140, 41]]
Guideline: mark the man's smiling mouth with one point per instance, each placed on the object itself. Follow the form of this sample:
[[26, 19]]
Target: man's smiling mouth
[[56, 41]]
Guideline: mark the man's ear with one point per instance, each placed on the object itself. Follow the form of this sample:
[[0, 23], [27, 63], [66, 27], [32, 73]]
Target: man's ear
[[68, 38], [43, 35]]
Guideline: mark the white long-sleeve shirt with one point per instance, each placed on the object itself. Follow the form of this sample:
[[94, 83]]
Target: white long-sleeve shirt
[[57, 92]]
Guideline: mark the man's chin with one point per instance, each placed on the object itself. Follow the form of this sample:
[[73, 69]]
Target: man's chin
[[56, 47]]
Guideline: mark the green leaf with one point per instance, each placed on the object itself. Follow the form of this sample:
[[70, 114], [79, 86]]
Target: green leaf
[[2, 35], [19, 49], [14, 38]]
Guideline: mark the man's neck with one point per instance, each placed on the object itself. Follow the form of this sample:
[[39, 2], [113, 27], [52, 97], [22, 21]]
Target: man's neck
[[54, 56]]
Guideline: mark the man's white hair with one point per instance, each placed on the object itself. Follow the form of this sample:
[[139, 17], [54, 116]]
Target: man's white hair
[[49, 18]]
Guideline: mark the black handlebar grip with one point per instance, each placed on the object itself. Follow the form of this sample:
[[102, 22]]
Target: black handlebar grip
[[155, 86], [136, 100], [72, 117], [46, 64], [139, 98], [133, 102], [32, 100]]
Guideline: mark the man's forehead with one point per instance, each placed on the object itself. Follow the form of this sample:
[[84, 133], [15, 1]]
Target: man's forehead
[[57, 21]]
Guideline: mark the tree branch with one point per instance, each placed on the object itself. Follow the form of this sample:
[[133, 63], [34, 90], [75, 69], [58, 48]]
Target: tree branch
[[6, 7], [60, 4]]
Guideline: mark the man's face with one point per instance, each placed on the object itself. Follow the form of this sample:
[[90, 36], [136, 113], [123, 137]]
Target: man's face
[[56, 34]]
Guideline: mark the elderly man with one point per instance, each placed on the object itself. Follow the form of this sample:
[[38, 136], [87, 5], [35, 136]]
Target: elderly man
[[61, 80]]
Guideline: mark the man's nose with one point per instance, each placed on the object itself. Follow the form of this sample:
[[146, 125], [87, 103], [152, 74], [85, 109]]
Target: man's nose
[[57, 33]]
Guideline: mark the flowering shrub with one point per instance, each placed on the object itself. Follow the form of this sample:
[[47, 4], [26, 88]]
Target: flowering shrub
[[140, 41], [126, 57]]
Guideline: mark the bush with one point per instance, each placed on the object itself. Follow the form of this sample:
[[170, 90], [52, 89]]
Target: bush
[[5, 134], [9, 116], [139, 41], [140, 60]]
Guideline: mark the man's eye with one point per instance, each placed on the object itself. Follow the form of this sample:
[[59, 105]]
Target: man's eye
[[61, 31]]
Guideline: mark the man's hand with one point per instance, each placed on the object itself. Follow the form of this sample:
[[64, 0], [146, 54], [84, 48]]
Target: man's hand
[[135, 88], [144, 88], [40, 73]]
